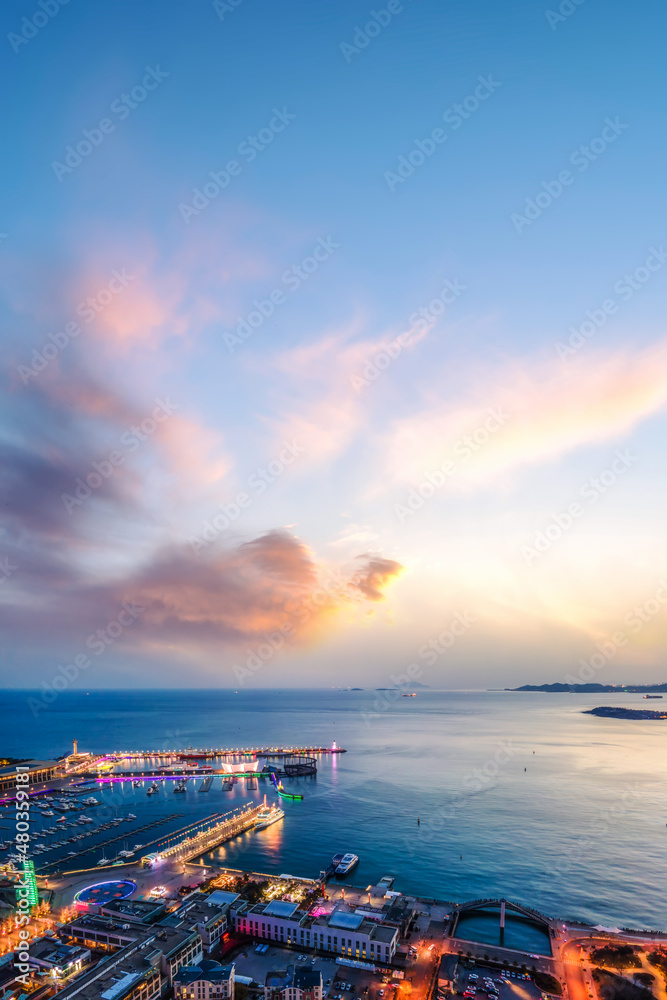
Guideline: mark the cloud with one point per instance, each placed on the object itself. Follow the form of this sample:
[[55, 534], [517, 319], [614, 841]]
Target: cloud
[[375, 575], [546, 411]]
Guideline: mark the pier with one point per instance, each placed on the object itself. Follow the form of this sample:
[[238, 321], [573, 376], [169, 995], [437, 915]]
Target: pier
[[197, 753], [207, 834]]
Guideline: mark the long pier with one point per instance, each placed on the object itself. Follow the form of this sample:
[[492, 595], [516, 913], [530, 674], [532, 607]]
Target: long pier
[[208, 752], [210, 833]]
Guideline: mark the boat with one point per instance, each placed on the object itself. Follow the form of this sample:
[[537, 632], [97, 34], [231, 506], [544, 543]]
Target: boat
[[346, 864], [131, 816], [102, 861], [268, 815], [151, 790], [652, 697], [408, 695], [136, 784]]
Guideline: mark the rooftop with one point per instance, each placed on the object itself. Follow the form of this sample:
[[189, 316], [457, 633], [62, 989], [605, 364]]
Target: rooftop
[[207, 971]]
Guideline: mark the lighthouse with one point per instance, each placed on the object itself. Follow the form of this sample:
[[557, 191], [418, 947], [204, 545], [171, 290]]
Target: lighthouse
[[75, 745]]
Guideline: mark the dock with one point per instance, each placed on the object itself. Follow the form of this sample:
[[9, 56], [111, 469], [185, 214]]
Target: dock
[[209, 833]]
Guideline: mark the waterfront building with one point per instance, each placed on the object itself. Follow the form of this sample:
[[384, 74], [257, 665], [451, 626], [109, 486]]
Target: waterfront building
[[447, 972], [299, 982], [342, 932], [38, 772], [205, 981]]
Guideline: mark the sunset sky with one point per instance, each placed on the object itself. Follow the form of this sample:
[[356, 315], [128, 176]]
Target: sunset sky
[[334, 342]]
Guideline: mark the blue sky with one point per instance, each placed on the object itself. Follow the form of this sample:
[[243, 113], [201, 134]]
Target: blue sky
[[504, 260]]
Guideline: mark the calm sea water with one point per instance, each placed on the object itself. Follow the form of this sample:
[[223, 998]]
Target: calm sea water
[[519, 795]]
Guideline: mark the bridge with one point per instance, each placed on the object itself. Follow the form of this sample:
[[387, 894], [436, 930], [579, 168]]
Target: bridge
[[502, 905]]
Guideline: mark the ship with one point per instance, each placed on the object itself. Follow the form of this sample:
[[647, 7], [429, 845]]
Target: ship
[[346, 864], [268, 815], [652, 697]]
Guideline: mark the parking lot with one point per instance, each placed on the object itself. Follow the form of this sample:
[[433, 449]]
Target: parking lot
[[482, 982]]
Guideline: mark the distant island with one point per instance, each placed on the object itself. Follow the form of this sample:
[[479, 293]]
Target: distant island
[[612, 712], [592, 688]]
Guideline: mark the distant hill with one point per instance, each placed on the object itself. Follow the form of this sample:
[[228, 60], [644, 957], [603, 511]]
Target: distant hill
[[593, 688]]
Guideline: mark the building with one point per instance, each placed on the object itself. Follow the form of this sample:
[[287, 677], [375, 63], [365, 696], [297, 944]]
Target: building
[[300, 982], [57, 959], [133, 973], [342, 932], [205, 981], [38, 771], [448, 971]]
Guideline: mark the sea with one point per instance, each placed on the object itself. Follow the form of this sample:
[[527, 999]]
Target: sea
[[456, 794]]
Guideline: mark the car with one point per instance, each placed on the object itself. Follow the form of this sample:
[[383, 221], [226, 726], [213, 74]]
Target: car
[[313, 960]]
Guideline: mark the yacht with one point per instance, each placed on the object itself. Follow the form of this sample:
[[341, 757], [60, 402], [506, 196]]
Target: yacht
[[131, 816], [347, 863], [102, 861], [268, 815]]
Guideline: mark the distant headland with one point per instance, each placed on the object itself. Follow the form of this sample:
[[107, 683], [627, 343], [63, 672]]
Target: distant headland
[[613, 712], [593, 688]]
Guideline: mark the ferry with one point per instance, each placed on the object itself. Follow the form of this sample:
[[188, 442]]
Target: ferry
[[346, 864], [268, 815]]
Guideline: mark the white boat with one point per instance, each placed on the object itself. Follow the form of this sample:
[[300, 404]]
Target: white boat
[[268, 815], [346, 864], [102, 861], [131, 816]]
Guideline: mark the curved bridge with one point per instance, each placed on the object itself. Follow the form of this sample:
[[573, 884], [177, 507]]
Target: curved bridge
[[480, 904]]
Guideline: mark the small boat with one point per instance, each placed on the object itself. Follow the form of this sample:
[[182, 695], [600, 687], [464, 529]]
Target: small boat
[[131, 816], [346, 864], [102, 861]]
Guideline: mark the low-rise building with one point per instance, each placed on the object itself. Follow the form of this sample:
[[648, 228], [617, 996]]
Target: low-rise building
[[205, 981], [58, 959], [447, 971], [300, 982], [38, 771], [342, 932]]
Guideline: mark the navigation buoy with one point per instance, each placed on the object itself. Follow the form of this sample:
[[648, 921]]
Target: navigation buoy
[[418, 821]]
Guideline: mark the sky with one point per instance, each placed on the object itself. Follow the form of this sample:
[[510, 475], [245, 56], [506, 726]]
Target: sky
[[334, 347]]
